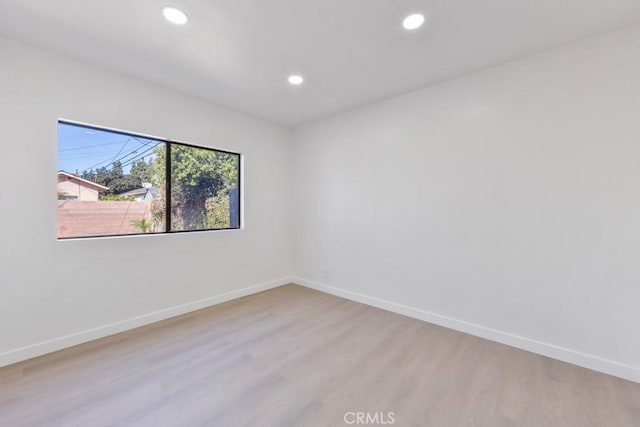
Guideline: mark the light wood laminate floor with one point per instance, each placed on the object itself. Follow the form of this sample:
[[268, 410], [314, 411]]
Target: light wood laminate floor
[[292, 356]]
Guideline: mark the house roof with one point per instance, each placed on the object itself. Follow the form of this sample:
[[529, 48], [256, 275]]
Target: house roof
[[82, 180], [135, 192], [153, 191]]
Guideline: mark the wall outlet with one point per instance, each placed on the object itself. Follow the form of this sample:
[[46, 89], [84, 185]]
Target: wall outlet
[[325, 273]]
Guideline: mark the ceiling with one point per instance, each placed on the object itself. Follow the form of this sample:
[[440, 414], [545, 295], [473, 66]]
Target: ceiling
[[238, 53]]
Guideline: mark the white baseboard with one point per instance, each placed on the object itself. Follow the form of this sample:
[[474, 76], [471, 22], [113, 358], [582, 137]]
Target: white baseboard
[[589, 361], [566, 355], [24, 353]]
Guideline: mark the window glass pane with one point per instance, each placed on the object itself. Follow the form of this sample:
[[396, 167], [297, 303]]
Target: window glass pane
[[109, 183], [204, 189]]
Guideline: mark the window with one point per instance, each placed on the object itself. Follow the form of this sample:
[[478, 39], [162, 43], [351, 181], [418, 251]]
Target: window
[[113, 183]]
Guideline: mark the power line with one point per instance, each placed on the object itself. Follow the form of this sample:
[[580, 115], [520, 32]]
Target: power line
[[139, 156], [123, 158], [127, 159], [91, 146], [141, 140], [111, 160]]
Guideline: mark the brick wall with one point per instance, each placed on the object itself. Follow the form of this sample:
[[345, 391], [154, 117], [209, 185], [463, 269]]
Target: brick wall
[[77, 219]]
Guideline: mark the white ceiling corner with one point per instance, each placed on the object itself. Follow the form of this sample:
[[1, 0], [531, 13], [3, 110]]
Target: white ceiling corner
[[238, 53]]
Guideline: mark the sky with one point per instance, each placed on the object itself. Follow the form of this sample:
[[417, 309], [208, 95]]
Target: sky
[[81, 148]]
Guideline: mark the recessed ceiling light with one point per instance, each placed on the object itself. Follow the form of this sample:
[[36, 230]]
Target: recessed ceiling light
[[414, 21], [174, 15], [295, 79]]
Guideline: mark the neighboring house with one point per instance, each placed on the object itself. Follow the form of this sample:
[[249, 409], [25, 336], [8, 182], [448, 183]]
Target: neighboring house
[[142, 194], [72, 187]]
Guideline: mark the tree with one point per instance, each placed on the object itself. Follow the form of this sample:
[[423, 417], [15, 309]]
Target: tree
[[117, 181], [218, 211], [115, 178], [157, 173], [139, 173], [144, 224], [197, 174]]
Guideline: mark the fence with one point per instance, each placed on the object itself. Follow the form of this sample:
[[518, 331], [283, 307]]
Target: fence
[[101, 218]]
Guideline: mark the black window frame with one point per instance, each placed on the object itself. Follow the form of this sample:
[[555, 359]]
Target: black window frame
[[167, 185]]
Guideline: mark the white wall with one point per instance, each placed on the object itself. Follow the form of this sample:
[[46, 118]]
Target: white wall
[[119, 279], [505, 203]]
